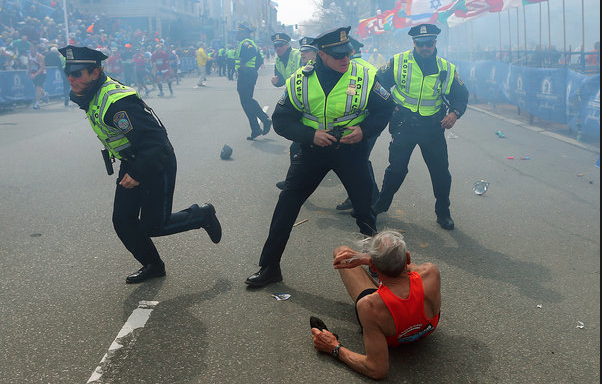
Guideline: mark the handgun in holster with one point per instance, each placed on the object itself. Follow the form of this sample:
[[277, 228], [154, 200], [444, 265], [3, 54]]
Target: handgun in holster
[[108, 159]]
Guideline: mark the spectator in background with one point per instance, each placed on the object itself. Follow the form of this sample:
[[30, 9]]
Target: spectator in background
[[201, 61], [115, 65], [54, 59], [21, 48]]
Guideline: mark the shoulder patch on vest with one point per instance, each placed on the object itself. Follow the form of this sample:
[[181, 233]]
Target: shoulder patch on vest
[[458, 79], [381, 91], [122, 122], [283, 98]]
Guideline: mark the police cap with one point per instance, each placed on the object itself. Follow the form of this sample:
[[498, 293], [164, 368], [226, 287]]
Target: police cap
[[424, 32], [280, 39], [226, 152], [77, 58], [334, 41], [305, 44], [356, 44]]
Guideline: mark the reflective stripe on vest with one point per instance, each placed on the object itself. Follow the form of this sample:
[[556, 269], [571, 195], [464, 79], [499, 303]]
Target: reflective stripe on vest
[[112, 138], [321, 112], [416, 92], [366, 64], [250, 63], [294, 62]]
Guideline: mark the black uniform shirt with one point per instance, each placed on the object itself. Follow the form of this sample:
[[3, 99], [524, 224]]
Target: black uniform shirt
[[287, 119], [458, 95], [149, 143], [147, 137]]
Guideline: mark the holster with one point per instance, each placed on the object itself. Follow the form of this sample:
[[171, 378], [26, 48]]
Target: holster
[[108, 160]]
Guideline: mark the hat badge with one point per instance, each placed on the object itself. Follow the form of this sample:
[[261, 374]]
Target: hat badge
[[423, 29], [343, 35], [69, 54], [277, 37]]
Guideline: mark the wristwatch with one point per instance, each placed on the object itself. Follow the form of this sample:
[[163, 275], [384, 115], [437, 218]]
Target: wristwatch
[[335, 351], [456, 113]]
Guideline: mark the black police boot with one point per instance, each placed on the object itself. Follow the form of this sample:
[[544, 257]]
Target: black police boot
[[266, 275], [147, 272], [446, 222], [254, 134], [210, 222], [267, 124], [345, 205], [280, 185]]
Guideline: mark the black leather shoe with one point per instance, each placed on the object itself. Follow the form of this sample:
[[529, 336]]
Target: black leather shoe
[[267, 124], [254, 135], [345, 205], [280, 185], [211, 223], [446, 222], [266, 275], [147, 272]]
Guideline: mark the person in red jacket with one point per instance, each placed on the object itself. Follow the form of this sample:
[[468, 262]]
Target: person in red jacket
[[403, 307]]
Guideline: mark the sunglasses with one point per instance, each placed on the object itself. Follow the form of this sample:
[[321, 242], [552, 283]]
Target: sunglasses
[[76, 74], [429, 44], [339, 56]]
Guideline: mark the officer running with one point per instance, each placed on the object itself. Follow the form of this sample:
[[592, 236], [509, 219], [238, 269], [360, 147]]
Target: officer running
[[331, 109], [248, 60], [131, 132], [430, 97]]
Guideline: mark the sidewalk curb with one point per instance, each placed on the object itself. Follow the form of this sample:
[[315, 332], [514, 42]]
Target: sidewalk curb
[[553, 135]]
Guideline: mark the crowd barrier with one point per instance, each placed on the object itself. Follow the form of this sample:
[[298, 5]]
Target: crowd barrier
[[558, 95], [17, 87]]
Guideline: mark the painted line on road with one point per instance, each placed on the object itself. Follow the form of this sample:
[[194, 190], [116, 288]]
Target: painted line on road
[[542, 131], [137, 319]]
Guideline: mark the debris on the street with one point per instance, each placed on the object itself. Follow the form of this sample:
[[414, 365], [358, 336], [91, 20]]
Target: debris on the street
[[480, 187], [300, 222], [281, 296]]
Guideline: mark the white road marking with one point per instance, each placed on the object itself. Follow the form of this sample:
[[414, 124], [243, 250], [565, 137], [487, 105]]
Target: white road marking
[[265, 110], [137, 319]]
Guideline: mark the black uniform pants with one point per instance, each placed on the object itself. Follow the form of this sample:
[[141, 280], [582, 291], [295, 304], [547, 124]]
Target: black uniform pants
[[247, 78], [307, 170], [431, 140], [144, 211]]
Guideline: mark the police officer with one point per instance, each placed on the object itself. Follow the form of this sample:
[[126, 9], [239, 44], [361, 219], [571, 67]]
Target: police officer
[[331, 109], [424, 84], [357, 58], [131, 132], [288, 59], [230, 62], [248, 60], [308, 53]]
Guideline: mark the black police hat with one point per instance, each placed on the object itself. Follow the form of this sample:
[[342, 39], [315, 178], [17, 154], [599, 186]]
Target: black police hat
[[356, 44], [242, 27], [305, 44], [334, 41], [77, 58], [226, 152], [280, 39], [424, 32]]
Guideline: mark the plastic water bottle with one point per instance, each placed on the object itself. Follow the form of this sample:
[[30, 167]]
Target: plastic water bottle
[[480, 187]]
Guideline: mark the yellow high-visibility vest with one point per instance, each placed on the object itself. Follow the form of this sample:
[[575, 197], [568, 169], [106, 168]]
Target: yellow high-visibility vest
[[419, 93]]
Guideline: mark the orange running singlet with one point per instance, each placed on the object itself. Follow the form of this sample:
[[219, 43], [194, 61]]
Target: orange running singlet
[[410, 321]]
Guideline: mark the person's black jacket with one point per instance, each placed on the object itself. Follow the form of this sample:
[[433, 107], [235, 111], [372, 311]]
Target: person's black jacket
[[150, 147]]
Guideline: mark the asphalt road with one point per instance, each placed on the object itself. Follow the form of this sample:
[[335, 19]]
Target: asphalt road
[[519, 272]]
